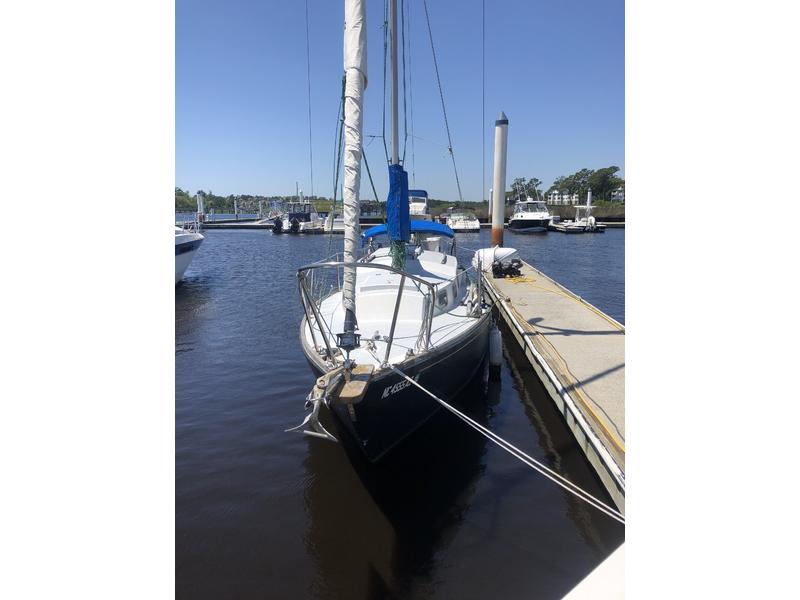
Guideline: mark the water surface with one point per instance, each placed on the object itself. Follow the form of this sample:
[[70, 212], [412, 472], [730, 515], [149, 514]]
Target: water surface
[[265, 514]]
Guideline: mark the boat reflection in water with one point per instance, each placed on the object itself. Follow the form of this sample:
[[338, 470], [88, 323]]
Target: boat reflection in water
[[561, 454], [451, 515], [375, 530]]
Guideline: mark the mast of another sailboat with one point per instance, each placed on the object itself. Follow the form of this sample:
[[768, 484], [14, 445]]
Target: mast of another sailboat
[[355, 67]]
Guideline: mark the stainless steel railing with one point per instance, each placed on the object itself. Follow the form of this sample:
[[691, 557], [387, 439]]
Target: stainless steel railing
[[310, 306]]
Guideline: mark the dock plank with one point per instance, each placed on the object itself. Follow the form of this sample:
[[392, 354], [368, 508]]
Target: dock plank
[[583, 347]]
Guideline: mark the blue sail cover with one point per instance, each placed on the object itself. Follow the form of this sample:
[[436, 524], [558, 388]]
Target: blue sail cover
[[416, 227], [397, 219]]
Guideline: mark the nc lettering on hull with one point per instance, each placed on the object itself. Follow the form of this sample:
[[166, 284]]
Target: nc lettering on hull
[[398, 387]]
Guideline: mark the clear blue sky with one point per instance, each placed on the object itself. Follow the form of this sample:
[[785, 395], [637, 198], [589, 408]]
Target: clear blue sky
[[241, 114]]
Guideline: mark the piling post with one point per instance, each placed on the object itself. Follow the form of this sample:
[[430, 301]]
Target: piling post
[[499, 187], [200, 207]]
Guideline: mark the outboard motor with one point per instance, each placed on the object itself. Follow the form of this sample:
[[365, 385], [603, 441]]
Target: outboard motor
[[294, 226], [277, 226], [501, 270]]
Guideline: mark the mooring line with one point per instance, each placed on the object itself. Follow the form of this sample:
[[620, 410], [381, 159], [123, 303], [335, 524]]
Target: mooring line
[[529, 460]]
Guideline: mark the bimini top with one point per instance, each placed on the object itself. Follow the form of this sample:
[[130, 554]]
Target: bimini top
[[416, 227], [417, 194]]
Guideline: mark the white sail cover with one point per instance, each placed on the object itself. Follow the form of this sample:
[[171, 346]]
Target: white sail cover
[[355, 67]]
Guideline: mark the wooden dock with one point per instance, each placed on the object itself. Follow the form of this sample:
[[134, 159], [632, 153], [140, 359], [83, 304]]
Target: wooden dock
[[578, 353]]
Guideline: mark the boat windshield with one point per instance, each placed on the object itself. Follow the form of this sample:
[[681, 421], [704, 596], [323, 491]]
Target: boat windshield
[[299, 207], [535, 206]]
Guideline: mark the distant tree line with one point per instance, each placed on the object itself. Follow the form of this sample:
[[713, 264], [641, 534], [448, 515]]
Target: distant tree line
[[602, 181], [186, 202]]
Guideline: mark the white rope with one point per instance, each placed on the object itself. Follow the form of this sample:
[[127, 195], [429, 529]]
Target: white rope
[[528, 460]]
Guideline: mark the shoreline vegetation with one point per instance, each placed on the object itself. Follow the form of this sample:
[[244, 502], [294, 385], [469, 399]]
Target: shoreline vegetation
[[603, 182]]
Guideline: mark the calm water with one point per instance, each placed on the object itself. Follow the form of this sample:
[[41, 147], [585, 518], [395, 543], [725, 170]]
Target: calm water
[[265, 514]]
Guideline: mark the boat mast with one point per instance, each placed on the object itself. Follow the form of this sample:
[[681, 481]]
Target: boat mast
[[393, 62], [355, 68], [397, 209]]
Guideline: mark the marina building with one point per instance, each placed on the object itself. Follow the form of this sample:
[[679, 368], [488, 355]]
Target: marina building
[[561, 197]]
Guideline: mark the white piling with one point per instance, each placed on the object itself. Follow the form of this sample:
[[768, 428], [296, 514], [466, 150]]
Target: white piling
[[499, 196], [200, 206]]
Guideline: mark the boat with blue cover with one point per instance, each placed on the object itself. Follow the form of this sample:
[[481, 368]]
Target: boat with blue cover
[[395, 307]]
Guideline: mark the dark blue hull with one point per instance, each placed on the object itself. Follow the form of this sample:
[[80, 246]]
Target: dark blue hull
[[393, 408], [529, 225]]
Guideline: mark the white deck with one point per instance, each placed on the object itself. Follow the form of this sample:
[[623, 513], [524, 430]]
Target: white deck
[[376, 295]]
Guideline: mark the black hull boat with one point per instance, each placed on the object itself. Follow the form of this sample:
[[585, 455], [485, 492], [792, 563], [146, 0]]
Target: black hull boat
[[530, 216], [393, 408], [529, 225], [384, 319]]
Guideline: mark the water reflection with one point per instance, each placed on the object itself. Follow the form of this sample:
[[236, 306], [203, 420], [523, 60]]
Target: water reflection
[[265, 514], [562, 455], [375, 531]]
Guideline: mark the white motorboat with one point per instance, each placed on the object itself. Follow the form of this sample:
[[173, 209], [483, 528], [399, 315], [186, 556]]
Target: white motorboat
[[463, 222], [300, 217], [381, 320], [584, 221], [334, 223], [187, 241], [418, 205], [530, 216]]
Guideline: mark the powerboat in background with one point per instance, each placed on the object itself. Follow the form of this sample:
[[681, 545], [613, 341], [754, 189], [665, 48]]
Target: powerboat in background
[[334, 223], [418, 205], [463, 222], [584, 221], [530, 216], [187, 241]]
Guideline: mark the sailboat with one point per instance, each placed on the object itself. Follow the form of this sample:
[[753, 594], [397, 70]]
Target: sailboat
[[300, 217], [395, 310]]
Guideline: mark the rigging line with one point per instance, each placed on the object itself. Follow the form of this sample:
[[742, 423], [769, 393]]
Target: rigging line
[[422, 139], [483, 100], [441, 96], [337, 143], [369, 174], [308, 76], [337, 159], [516, 452], [411, 102]]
